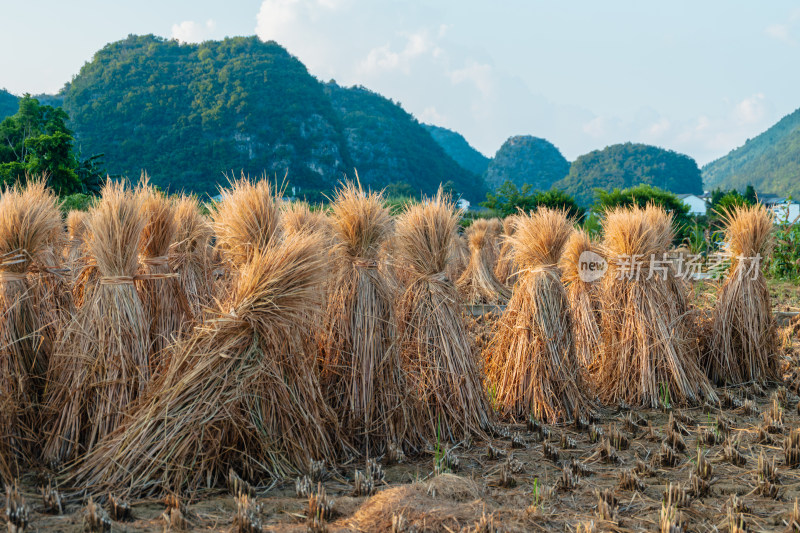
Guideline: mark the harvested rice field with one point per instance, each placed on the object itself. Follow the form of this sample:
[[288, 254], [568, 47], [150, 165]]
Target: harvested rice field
[[541, 478], [253, 365]]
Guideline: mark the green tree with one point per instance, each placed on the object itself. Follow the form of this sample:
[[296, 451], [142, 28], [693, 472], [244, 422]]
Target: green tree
[[36, 142], [641, 196], [750, 194], [508, 199]]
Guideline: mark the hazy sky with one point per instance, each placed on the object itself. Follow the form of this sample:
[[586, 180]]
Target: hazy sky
[[696, 77]]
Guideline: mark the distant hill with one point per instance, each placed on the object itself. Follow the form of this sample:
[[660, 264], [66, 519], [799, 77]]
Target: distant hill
[[524, 159], [187, 113], [384, 140], [770, 161], [626, 165], [8, 104], [457, 147]]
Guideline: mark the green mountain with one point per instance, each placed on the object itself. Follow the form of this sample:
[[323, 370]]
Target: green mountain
[[384, 140], [627, 165], [457, 147], [188, 113], [770, 161], [8, 104], [524, 159]]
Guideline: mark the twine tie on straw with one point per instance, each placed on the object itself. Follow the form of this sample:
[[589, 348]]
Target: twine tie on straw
[[116, 280], [161, 260], [7, 277]]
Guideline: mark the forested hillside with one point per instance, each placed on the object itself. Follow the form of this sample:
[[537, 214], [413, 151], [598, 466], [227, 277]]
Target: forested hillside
[[187, 113], [457, 147], [526, 160], [770, 161], [626, 165]]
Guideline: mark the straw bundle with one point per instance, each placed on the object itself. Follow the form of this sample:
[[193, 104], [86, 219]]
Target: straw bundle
[[444, 382], [360, 364], [459, 257], [101, 363], [76, 232], [29, 222], [504, 269], [239, 393], [191, 255], [478, 284], [164, 302], [297, 217], [495, 239], [82, 272], [246, 219], [582, 296], [532, 368], [648, 353], [743, 344]]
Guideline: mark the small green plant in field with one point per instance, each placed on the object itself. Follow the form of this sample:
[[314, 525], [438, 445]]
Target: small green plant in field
[[439, 462], [537, 498], [664, 394]]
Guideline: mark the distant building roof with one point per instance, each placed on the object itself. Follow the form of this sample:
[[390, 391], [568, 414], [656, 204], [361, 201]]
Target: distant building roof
[[771, 199], [684, 196]]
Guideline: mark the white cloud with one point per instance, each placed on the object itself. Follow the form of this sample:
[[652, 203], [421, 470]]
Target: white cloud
[[750, 109], [190, 31], [780, 32], [431, 116], [785, 31], [384, 58], [659, 128], [481, 75]]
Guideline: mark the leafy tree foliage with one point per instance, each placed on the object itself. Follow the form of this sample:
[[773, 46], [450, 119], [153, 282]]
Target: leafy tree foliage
[[722, 200], [641, 196], [626, 165], [508, 199], [37, 142]]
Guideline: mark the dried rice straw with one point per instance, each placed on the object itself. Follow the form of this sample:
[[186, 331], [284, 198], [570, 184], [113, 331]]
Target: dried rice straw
[[444, 381], [649, 354], [360, 363], [239, 393], [478, 284], [582, 296], [744, 344], [101, 363], [29, 223], [532, 368]]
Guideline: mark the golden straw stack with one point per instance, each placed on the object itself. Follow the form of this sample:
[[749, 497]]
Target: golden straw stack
[[478, 284], [191, 256], [241, 391], [29, 224], [531, 365], [444, 382], [505, 269], [582, 296], [744, 345], [648, 356], [164, 302], [101, 362], [360, 363]]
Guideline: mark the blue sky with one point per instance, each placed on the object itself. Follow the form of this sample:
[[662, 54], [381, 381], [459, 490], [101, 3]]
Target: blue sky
[[696, 77]]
